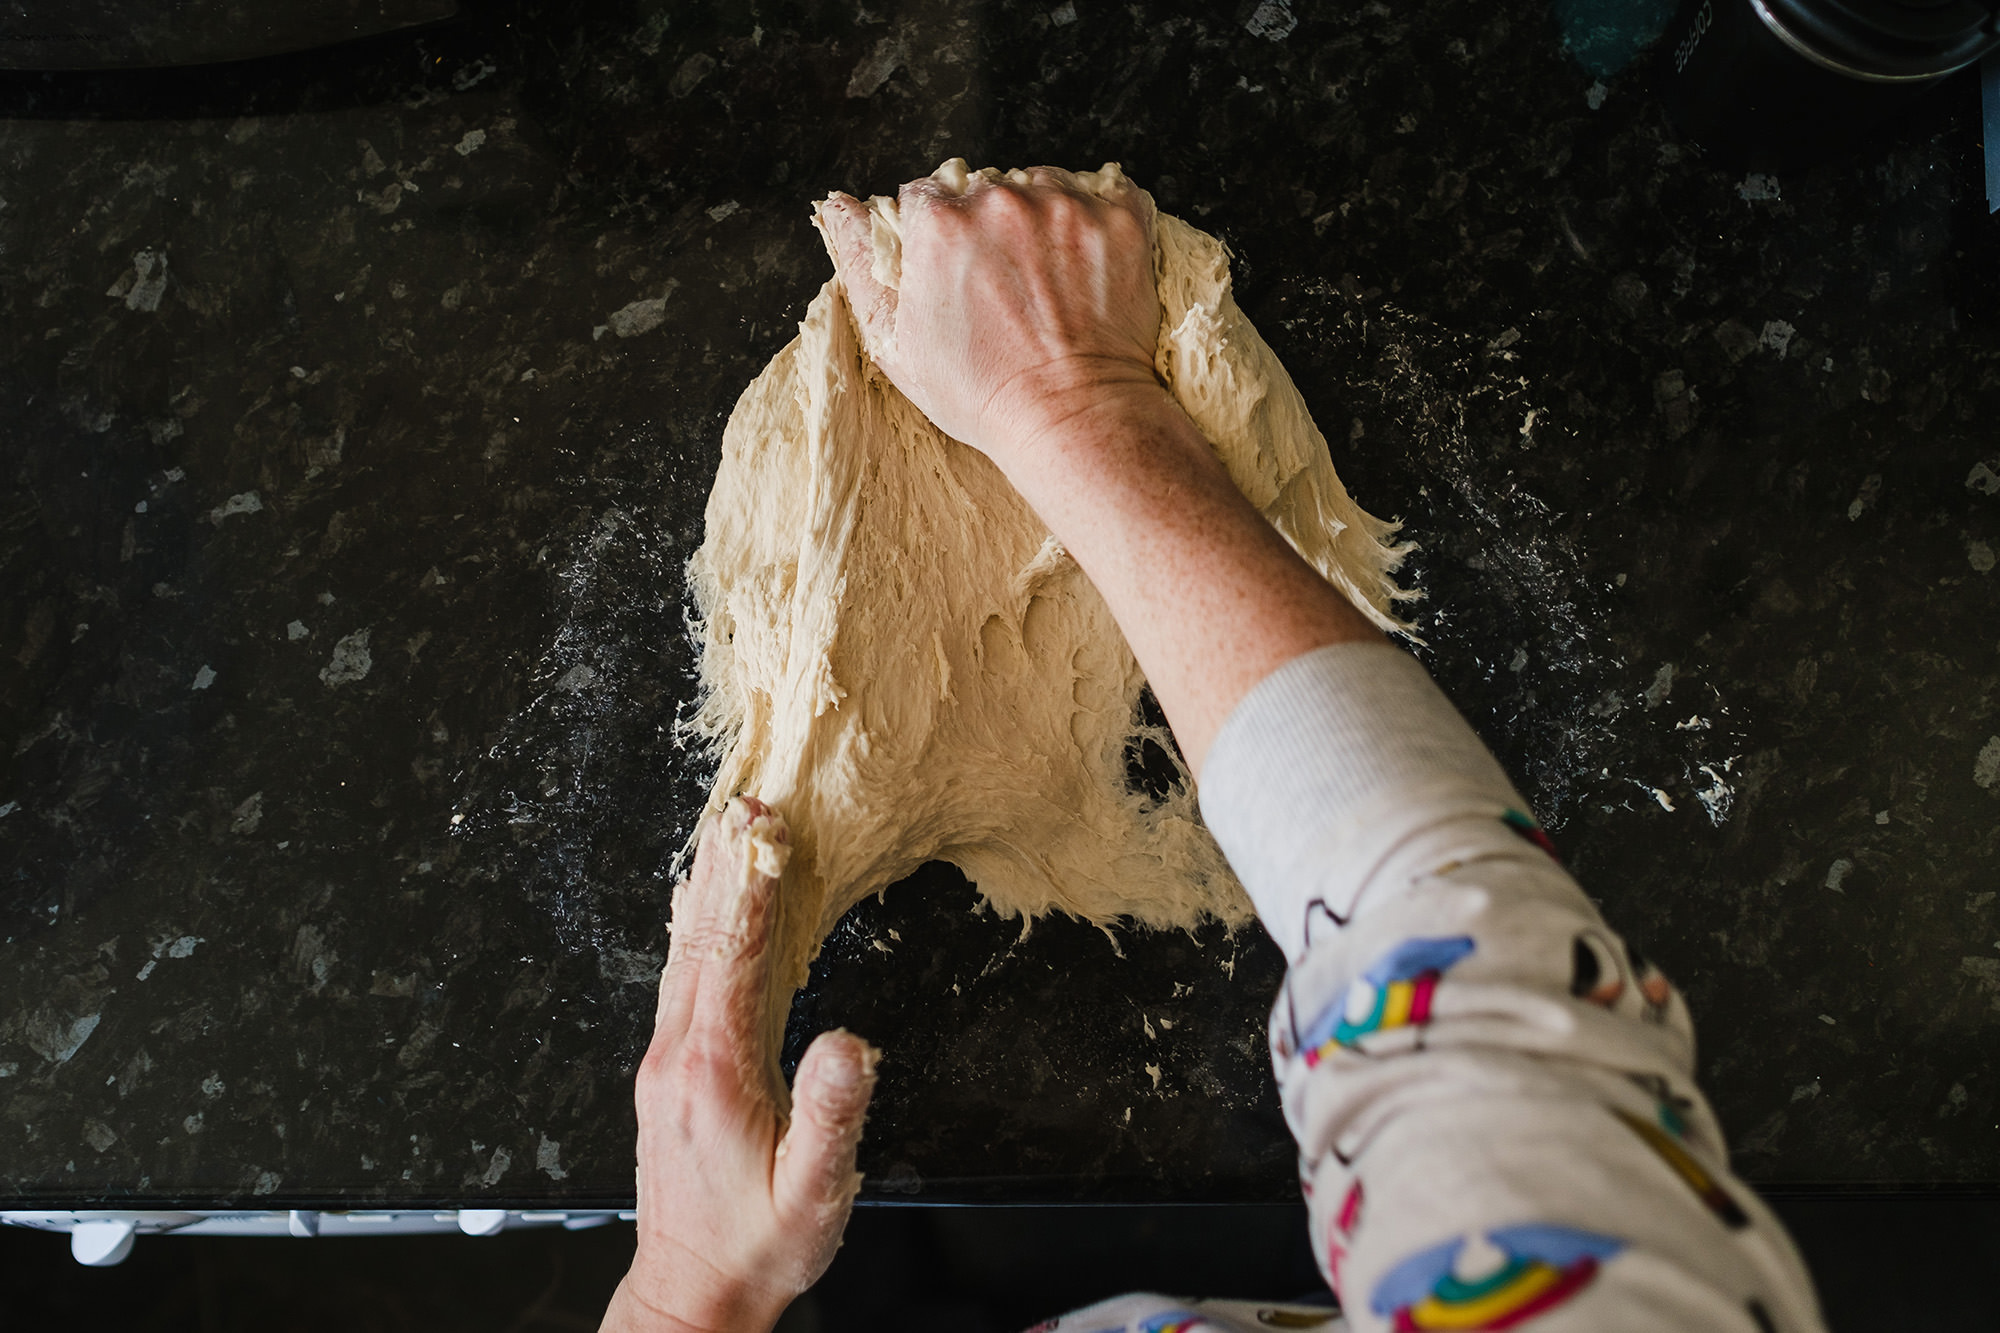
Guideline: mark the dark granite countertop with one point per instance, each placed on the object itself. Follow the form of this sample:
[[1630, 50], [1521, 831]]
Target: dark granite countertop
[[359, 408]]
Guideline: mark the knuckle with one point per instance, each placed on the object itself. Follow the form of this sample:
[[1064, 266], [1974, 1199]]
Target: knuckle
[[1007, 200], [657, 1066], [722, 941], [650, 1073], [681, 1073], [711, 1060]]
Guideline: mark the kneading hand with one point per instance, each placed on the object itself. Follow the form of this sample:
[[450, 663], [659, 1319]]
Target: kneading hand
[[739, 1211], [1025, 323], [1023, 302]]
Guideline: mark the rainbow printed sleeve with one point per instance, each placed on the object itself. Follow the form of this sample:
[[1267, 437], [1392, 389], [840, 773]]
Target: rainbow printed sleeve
[[1492, 1092]]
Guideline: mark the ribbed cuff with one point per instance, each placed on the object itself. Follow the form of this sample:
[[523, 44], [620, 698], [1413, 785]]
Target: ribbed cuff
[[1343, 730]]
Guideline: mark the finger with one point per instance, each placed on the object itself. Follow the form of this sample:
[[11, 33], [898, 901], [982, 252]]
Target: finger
[[1116, 188], [1053, 178], [849, 227], [839, 216], [718, 954], [733, 982], [952, 180], [671, 1009], [814, 1181], [1113, 183], [663, 1003]]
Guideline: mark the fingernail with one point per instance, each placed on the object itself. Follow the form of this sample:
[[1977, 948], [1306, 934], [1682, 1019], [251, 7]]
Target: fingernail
[[852, 1067]]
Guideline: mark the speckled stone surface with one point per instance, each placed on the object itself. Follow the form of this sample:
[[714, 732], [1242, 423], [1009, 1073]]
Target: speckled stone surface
[[359, 409]]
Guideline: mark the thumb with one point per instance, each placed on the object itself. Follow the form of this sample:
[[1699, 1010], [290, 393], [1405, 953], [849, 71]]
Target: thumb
[[848, 227], [814, 1181]]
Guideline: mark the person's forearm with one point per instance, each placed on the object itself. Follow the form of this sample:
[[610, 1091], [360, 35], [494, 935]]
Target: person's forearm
[[1209, 596]]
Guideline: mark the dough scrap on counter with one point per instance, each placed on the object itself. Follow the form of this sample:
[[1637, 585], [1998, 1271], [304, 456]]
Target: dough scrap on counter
[[899, 657]]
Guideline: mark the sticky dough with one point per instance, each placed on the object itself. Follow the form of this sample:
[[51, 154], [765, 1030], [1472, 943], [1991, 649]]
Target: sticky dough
[[899, 657]]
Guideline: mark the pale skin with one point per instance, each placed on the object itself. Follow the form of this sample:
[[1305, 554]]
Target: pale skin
[[740, 1207], [1025, 327]]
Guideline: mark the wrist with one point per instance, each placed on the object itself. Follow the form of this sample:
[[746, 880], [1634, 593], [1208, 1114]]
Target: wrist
[[1052, 404], [1120, 451], [640, 1305], [1092, 436]]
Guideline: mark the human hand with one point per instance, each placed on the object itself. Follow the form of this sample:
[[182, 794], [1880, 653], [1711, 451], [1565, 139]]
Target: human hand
[[739, 1211], [1024, 301]]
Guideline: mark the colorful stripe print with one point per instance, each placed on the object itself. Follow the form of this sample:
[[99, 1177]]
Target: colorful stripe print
[[1174, 1321], [1666, 1142], [1398, 991], [1541, 1267], [1171, 1321], [1527, 826]]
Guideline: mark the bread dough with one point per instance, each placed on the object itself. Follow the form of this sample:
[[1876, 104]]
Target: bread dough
[[899, 657]]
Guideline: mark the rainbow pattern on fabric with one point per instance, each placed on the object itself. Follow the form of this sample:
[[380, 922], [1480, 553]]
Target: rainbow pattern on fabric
[[1531, 829], [1541, 1268], [1396, 992], [1528, 827], [1174, 1321], [1665, 1139]]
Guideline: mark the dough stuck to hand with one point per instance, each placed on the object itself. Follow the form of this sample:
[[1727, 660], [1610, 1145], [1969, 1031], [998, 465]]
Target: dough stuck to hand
[[899, 657]]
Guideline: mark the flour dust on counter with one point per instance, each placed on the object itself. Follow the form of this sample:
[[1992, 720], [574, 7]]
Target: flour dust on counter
[[899, 657], [1577, 722], [1425, 379], [598, 695]]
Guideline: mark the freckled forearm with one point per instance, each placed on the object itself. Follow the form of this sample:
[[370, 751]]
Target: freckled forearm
[[1208, 594]]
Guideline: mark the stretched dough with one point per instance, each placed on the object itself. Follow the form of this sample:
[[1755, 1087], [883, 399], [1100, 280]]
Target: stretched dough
[[898, 656]]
